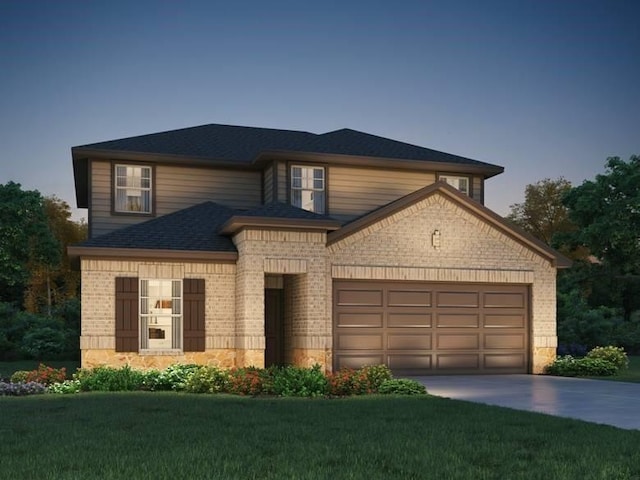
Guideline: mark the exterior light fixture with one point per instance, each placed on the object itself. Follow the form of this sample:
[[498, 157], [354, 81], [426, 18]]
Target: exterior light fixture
[[435, 239]]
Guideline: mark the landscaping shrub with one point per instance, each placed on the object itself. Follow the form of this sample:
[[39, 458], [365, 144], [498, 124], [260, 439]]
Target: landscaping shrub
[[68, 386], [176, 376], [109, 379], [614, 355], [293, 381], [43, 342], [568, 366], [207, 379], [21, 389], [19, 376], [365, 380], [402, 386], [46, 375], [250, 381]]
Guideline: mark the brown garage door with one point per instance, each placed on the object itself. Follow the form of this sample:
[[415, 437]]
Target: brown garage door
[[431, 328]]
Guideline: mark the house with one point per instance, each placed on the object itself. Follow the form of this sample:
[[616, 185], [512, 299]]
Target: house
[[239, 246]]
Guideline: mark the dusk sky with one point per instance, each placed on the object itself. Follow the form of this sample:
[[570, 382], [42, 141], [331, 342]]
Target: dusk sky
[[543, 88]]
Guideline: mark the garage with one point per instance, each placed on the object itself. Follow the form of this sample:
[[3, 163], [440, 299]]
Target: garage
[[421, 328]]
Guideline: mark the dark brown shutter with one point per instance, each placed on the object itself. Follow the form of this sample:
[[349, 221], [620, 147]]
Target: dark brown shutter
[[193, 319], [127, 314]]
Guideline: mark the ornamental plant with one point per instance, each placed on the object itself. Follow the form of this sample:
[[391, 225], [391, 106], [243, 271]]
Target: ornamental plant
[[249, 381], [402, 386], [21, 389], [614, 355], [46, 375]]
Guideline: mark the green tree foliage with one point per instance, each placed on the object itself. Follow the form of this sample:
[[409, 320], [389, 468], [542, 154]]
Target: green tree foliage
[[26, 242], [543, 214], [607, 212], [49, 287]]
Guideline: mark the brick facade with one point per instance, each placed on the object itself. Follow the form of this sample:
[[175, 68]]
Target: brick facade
[[397, 247]]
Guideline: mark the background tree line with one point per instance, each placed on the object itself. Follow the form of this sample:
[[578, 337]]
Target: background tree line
[[39, 289], [597, 225]]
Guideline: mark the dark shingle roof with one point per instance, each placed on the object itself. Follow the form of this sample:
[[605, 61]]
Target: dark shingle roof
[[283, 210], [194, 228], [243, 145]]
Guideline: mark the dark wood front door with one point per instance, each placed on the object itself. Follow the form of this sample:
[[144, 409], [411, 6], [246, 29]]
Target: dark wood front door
[[273, 327]]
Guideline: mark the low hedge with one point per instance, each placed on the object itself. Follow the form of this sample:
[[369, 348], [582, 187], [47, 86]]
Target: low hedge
[[286, 381], [599, 362]]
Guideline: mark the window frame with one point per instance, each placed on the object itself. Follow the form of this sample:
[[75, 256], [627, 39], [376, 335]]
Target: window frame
[[468, 178], [325, 189], [143, 318], [115, 188]]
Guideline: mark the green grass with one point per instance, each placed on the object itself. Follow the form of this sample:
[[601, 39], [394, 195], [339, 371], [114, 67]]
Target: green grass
[[8, 368], [170, 435]]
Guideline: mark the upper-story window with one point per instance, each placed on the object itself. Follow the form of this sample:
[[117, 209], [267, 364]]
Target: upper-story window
[[132, 189], [461, 183], [308, 188]]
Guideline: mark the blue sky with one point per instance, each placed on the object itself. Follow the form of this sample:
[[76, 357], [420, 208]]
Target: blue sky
[[543, 88]]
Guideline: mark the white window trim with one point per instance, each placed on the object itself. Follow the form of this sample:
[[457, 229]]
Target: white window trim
[[310, 188], [141, 189], [180, 316], [454, 181]]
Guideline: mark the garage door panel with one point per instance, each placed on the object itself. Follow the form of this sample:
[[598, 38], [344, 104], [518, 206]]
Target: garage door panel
[[407, 362], [452, 361], [458, 341], [409, 320], [430, 328], [365, 298], [516, 320], [360, 319], [504, 300], [358, 361], [361, 342], [409, 298], [504, 341], [398, 341], [458, 299], [458, 320], [514, 361]]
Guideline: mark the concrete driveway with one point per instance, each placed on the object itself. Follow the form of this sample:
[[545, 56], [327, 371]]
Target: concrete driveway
[[598, 401]]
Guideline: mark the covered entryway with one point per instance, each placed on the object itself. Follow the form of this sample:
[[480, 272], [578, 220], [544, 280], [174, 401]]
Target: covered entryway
[[431, 328]]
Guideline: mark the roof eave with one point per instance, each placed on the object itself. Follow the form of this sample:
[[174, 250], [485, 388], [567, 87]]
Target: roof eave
[[487, 170], [238, 222], [78, 252]]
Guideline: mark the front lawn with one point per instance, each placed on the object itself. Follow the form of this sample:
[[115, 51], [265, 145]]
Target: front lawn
[[171, 435]]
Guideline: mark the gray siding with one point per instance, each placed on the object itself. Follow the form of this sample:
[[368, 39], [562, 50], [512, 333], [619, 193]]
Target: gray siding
[[175, 188], [282, 181], [268, 184], [355, 191], [478, 185]]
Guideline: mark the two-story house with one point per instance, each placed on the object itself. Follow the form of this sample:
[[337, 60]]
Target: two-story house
[[239, 246]]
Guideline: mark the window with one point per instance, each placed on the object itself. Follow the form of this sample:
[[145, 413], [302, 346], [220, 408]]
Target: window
[[461, 183], [308, 188], [160, 314], [132, 189]]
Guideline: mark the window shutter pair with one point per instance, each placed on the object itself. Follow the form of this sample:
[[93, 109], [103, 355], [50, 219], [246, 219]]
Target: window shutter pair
[[127, 315]]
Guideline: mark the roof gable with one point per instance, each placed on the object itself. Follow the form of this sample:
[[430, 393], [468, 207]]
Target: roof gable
[[463, 201]]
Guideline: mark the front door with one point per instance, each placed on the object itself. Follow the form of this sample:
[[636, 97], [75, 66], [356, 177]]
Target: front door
[[273, 327]]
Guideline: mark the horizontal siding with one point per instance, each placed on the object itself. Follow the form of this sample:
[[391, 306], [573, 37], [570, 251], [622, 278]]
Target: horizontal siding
[[268, 184], [477, 189], [176, 188], [282, 181], [356, 191]]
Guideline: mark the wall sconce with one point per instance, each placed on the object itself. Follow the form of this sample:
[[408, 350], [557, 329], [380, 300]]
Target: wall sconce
[[435, 239]]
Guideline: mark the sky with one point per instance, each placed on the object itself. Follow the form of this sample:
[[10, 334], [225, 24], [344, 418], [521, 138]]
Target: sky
[[546, 89]]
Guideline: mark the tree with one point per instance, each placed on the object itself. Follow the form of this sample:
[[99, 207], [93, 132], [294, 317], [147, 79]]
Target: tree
[[26, 242], [607, 214], [543, 214], [48, 287]]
